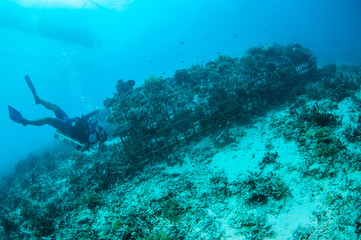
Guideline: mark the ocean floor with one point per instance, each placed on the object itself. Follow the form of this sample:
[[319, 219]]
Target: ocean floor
[[261, 180]]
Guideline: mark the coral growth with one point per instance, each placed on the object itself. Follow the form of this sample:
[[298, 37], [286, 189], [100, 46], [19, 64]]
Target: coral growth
[[162, 113], [246, 173]]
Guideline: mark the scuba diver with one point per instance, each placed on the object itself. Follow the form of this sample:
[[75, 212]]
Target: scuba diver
[[83, 130]]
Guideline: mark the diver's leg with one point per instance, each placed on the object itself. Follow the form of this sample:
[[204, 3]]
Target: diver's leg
[[59, 113], [63, 126], [40, 122]]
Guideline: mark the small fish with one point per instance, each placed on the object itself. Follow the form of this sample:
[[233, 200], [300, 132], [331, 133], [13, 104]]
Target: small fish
[[181, 43], [235, 36], [150, 61]]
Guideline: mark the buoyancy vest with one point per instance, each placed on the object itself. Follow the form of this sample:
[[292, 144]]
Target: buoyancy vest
[[84, 130]]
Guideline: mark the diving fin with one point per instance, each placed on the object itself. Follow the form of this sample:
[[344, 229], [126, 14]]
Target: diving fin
[[32, 88], [16, 116]]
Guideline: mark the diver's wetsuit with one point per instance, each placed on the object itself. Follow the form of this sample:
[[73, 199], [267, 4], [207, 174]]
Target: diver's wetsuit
[[62, 122], [84, 130]]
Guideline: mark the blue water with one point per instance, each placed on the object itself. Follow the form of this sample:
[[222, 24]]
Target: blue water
[[76, 55]]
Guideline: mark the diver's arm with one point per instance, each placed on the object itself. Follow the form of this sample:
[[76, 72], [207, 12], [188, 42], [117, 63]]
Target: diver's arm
[[89, 115], [86, 117]]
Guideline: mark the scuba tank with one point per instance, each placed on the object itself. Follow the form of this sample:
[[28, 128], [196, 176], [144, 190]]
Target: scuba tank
[[84, 134], [60, 136]]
